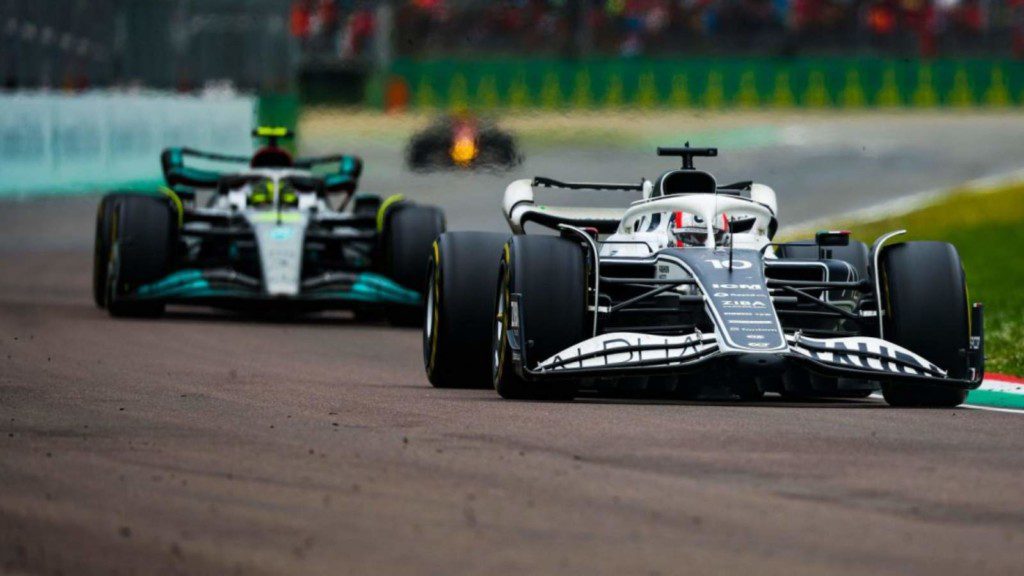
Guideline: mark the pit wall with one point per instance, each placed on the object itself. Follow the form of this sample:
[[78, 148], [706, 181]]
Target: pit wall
[[847, 83], [58, 144]]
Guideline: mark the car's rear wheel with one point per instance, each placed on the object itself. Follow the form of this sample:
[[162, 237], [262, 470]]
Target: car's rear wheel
[[550, 276], [407, 238], [144, 233], [924, 294], [459, 315]]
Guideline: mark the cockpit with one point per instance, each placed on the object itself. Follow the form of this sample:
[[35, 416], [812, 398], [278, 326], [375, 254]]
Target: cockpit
[[266, 192]]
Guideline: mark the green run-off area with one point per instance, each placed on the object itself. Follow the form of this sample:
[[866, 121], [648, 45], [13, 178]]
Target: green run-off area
[[988, 230]]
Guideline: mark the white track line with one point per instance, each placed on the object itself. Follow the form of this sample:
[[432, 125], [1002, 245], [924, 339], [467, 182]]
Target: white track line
[[905, 204]]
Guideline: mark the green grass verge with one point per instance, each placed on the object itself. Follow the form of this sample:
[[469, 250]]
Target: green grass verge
[[988, 230]]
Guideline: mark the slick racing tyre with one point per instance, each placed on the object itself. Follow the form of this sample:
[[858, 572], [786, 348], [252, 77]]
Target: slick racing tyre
[[550, 276], [460, 309], [924, 294], [406, 242], [144, 233], [101, 247]]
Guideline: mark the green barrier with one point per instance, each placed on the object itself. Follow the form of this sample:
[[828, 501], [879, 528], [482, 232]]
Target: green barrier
[[847, 83]]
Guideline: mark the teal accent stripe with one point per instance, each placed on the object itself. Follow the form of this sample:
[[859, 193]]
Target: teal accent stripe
[[387, 289], [171, 282], [996, 399], [370, 287]]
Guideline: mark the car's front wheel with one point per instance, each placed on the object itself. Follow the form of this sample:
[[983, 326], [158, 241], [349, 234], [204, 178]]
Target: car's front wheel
[[549, 275], [924, 294], [102, 245], [459, 314], [144, 232]]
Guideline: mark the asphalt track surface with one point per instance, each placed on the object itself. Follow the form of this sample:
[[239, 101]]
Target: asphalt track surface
[[204, 443]]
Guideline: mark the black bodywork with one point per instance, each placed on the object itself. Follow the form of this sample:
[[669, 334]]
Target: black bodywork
[[434, 148]]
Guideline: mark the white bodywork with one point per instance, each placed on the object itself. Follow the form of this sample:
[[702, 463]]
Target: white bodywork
[[639, 232], [280, 230]]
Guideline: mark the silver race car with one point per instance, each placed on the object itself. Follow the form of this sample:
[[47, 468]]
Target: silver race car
[[685, 289], [272, 233]]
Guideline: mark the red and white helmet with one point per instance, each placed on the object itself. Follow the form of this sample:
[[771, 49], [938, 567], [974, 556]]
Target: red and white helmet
[[691, 230]]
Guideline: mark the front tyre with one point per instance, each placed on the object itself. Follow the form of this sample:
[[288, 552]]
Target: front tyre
[[407, 238], [101, 247], [549, 275], [926, 311], [459, 315], [144, 235]]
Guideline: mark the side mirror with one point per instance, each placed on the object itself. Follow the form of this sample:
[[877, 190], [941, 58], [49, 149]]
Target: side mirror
[[832, 238]]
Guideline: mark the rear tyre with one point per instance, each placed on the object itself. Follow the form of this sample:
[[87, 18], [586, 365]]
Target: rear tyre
[[407, 240], [101, 247], [925, 299], [459, 314], [144, 234], [550, 275]]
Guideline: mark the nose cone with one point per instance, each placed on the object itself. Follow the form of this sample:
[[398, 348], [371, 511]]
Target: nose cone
[[761, 363]]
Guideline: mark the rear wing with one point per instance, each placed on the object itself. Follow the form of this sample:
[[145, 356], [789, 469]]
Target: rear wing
[[552, 183], [176, 173], [520, 207], [344, 178]]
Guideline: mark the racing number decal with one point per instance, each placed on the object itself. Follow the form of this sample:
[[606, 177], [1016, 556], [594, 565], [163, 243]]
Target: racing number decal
[[736, 264]]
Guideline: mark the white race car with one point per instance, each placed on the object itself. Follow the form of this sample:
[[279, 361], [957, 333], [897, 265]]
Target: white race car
[[683, 289]]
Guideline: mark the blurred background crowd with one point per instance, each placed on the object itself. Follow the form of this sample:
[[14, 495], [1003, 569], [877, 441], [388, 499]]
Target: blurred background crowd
[[187, 45], [657, 27]]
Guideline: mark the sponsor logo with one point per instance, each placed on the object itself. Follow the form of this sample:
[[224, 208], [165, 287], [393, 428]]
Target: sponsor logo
[[743, 304], [756, 287]]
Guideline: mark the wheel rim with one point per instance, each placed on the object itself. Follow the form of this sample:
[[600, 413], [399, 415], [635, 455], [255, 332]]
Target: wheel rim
[[430, 322], [498, 350]]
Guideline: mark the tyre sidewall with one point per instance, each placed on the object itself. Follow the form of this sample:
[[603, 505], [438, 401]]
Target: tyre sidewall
[[550, 276], [457, 349]]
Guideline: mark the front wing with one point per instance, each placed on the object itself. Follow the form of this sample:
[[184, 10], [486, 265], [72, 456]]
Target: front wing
[[863, 357], [214, 286]]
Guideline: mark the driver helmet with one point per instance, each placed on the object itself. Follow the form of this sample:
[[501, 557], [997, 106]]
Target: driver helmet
[[690, 230]]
